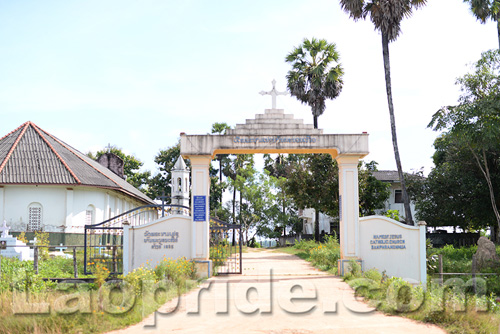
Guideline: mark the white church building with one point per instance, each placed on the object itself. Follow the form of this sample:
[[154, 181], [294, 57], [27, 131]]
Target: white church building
[[45, 184]]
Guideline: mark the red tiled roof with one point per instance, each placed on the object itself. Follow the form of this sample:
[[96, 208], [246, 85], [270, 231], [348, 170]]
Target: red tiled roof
[[30, 155]]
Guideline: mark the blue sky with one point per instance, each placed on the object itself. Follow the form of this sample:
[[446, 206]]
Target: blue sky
[[137, 73]]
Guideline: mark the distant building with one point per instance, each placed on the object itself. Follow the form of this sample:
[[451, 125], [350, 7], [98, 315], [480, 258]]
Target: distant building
[[327, 224], [395, 201], [45, 184]]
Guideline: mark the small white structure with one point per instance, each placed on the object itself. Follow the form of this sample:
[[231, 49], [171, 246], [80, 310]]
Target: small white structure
[[45, 184], [308, 219], [13, 247], [180, 183]]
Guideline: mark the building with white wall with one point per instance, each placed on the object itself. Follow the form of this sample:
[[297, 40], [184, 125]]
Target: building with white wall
[[45, 184], [395, 201]]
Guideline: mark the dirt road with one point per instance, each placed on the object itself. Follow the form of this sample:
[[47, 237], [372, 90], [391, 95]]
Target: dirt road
[[277, 293]]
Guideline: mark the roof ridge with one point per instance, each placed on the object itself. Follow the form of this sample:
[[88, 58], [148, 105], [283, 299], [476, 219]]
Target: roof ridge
[[72, 151], [7, 157], [20, 126], [39, 130]]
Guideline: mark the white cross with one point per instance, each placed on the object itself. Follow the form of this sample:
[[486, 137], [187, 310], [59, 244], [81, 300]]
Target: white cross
[[61, 248], [33, 241], [100, 248], [5, 230], [273, 92], [109, 147]]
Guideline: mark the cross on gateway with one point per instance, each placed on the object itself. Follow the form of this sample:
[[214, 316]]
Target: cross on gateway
[[273, 92]]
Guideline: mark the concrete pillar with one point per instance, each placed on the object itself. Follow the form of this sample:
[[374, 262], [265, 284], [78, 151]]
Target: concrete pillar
[[348, 206], [2, 205], [126, 248], [423, 253], [69, 210], [200, 206]]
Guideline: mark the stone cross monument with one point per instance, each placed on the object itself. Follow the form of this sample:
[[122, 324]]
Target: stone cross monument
[[273, 92], [5, 230]]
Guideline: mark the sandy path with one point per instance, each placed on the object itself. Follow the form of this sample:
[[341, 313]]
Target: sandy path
[[255, 303]]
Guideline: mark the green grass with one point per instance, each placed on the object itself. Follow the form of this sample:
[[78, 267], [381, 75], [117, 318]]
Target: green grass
[[86, 308], [455, 310]]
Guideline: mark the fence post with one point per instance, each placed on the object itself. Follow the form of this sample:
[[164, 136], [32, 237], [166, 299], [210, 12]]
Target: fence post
[[440, 259], [115, 261], [474, 269], [75, 266], [35, 259]]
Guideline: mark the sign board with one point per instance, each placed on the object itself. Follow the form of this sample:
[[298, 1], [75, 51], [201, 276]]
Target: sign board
[[3, 244], [199, 208]]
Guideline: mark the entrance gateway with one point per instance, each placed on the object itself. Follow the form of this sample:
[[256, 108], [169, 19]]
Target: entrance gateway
[[375, 242], [276, 132]]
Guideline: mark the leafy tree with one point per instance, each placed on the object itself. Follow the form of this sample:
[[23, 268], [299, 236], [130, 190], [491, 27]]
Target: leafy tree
[[313, 77], [241, 165], [372, 192], [455, 192], [220, 128], [160, 183], [486, 9], [386, 17], [313, 183], [285, 215], [131, 167], [474, 123]]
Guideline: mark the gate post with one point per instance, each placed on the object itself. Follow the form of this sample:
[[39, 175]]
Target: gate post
[[126, 248], [348, 210], [200, 206]]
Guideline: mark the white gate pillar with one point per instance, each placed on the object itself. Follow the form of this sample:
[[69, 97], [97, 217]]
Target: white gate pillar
[[348, 209], [200, 206]]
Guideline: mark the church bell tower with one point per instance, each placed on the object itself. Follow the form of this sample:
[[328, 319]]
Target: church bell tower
[[180, 183]]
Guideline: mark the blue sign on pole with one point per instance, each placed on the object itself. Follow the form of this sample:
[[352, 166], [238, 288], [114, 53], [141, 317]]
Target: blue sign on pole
[[200, 208]]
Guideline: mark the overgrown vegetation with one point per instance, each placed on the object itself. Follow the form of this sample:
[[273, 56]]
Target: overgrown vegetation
[[452, 305], [323, 256], [30, 305]]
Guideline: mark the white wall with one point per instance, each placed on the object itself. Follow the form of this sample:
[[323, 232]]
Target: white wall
[[308, 215], [146, 243], [63, 208], [391, 204], [406, 258]]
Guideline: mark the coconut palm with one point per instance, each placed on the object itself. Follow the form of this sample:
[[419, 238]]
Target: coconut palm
[[313, 77], [486, 9], [387, 15]]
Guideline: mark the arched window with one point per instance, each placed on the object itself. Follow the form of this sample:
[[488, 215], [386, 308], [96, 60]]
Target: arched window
[[90, 215], [179, 184], [186, 183], [34, 217]]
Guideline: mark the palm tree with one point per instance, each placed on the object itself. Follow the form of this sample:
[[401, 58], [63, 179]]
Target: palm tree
[[313, 78], [486, 9], [387, 15]]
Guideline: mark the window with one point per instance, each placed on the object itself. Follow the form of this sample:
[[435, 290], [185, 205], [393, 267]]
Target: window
[[89, 215], [398, 196], [34, 217], [179, 184]]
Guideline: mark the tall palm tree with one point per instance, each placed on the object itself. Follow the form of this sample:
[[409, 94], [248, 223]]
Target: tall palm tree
[[387, 15], [486, 9], [313, 78]]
